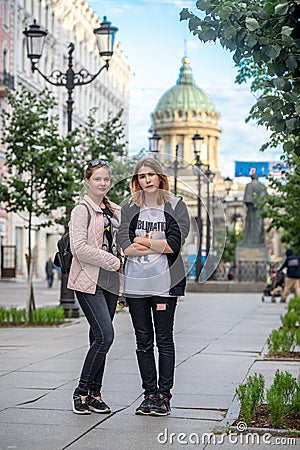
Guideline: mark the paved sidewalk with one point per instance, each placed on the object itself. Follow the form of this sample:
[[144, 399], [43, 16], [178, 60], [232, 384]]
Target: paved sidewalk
[[219, 339]]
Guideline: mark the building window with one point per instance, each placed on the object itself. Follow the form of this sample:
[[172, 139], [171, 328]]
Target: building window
[[180, 149], [19, 247], [6, 14], [47, 17], [4, 61], [180, 114], [40, 12], [168, 150]]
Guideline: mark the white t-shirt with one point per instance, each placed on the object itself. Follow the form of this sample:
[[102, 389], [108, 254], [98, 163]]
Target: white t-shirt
[[148, 275]]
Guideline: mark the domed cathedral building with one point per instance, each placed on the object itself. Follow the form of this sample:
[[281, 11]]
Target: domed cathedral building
[[183, 111]]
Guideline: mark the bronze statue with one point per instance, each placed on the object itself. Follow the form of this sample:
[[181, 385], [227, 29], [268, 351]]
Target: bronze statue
[[254, 224]]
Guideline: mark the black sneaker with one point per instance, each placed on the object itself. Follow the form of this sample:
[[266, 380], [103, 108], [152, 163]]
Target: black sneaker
[[98, 406], [146, 405], [80, 405], [161, 407]]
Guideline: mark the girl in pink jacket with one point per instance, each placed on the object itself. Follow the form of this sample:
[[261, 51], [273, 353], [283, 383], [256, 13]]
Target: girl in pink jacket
[[94, 278]]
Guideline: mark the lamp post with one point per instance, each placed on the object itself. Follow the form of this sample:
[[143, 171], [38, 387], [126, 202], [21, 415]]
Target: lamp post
[[197, 144], [176, 165], [228, 184], [35, 41], [154, 142], [210, 176]]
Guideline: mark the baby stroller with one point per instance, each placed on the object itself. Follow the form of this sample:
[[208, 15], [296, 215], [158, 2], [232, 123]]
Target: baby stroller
[[274, 287]]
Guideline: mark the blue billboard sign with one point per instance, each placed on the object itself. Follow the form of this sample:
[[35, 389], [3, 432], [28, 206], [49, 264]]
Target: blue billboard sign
[[261, 168]]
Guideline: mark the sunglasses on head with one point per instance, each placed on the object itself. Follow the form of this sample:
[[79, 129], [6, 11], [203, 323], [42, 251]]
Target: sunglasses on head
[[98, 162]]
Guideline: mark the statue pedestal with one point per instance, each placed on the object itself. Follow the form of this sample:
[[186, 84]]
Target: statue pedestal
[[251, 263]]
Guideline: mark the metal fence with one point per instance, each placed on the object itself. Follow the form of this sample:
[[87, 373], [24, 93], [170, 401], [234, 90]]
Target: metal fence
[[252, 271]]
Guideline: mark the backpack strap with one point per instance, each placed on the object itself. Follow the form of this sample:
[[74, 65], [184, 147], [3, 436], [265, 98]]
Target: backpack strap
[[88, 214]]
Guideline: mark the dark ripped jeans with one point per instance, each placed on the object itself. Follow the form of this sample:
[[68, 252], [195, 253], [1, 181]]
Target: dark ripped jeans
[[99, 309], [146, 317]]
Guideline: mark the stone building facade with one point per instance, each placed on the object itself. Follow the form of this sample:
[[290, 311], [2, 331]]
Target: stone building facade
[[6, 80], [67, 21]]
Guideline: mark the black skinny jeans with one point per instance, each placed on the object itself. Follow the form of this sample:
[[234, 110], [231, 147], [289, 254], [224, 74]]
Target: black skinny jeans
[[99, 309], [144, 315]]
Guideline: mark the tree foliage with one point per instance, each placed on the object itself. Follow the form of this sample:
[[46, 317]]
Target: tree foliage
[[232, 239], [264, 37], [107, 141], [37, 181], [283, 208], [45, 170]]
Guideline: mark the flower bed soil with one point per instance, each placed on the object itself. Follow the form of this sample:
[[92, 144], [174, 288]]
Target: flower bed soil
[[281, 355], [262, 419]]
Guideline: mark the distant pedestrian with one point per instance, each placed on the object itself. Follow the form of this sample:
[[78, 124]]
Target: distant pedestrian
[[231, 271], [154, 226], [50, 267], [91, 239], [292, 279]]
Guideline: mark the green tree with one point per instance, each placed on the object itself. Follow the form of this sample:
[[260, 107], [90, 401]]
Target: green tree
[[264, 39], [283, 207], [232, 239], [107, 141], [38, 180]]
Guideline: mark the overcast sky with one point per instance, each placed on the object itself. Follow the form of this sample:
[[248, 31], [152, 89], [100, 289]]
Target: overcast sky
[[152, 37]]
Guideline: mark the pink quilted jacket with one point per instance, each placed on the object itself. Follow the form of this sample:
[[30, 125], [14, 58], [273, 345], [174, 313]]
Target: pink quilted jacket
[[86, 247]]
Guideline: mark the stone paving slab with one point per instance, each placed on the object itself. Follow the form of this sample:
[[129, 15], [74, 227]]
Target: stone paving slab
[[218, 339], [268, 369], [148, 433]]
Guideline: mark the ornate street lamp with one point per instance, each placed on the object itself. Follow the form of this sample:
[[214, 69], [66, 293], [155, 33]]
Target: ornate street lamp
[[228, 183], [35, 41], [197, 144], [154, 143]]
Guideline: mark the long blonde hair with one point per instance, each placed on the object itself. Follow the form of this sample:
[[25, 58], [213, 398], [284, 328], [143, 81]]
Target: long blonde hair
[[138, 195]]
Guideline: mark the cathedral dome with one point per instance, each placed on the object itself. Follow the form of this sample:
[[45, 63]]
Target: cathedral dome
[[185, 95]]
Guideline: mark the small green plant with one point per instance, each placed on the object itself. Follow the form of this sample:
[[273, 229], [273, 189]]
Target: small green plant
[[290, 319], [296, 402], [281, 397], [2, 314], [298, 337], [288, 341], [251, 394], [39, 316], [47, 316], [283, 341], [274, 342], [294, 305]]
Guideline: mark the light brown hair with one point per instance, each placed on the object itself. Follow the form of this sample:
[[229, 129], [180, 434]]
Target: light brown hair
[[137, 192], [91, 168]]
